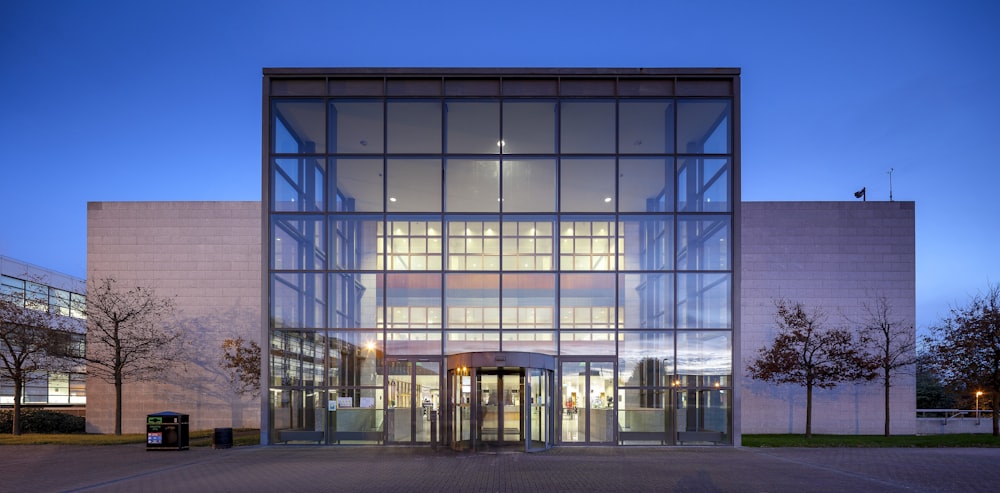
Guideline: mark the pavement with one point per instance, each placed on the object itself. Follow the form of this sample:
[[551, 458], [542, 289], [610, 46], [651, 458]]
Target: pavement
[[130, 468]]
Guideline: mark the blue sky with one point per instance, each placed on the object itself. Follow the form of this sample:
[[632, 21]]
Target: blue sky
[[160, 100]]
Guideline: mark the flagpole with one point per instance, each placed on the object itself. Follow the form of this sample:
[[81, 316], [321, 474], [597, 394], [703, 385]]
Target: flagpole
[[890, 183]]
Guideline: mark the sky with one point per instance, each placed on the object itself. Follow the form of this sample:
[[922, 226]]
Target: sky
[[161, 100]]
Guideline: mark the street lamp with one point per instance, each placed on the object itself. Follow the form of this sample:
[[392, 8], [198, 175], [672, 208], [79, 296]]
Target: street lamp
[[978, 393]]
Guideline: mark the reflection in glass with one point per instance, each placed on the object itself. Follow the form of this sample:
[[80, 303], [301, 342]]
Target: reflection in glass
[[588, 243], [298, 300], [414, 127], [299, 126], [472, 300], [414, 243], [646, 184], [648, 242], [529, 301], [705, 242], [703, 185], [355, 359], [297, 357], [298, 243], [356, 127], [356, 299], [529, 127], [474, 243], [357, 184], [587, 301], [535, 341], [587, 185], [414, 185], [413, 342], [413, 301], [587, 127], [646, 301], [464, 341], [645, 358], [703, 126], [473, 127], [529, 185], [527, 243], [298, 184], [472, 185], [357, 242], [646, 127], [703, 300]]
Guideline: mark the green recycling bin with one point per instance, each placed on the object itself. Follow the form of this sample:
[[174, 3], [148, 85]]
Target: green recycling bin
[[167, 431]]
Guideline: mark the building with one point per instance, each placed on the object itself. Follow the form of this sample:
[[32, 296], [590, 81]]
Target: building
[[524, 256], [490, 258], [60, 294]]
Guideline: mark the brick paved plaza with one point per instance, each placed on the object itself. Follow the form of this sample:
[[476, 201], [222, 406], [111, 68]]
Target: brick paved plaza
[[42, 468]]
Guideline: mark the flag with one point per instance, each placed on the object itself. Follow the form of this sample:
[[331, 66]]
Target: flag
[[860, 193]]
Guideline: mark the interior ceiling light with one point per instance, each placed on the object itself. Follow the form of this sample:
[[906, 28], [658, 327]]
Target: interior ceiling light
[[607, 199], [392, 199]]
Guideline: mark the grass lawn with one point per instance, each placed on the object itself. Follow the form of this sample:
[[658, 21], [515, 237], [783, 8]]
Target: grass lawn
[[201, 438], [957, 440]]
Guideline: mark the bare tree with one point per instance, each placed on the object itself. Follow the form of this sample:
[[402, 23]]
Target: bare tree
[[807, 354], [127, 336], [890, 344], [29, 340], [241, 362], [965, 348]]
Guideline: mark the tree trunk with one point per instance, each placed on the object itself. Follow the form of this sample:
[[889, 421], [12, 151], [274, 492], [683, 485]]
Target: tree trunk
[[996, 414], [887, 402], [118, 405], [15, 428], [809, 410]]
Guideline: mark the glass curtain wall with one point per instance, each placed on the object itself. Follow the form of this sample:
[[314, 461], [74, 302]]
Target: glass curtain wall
[[590, 218]]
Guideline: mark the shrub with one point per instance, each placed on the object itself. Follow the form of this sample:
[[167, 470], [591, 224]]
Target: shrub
[[42, 421]]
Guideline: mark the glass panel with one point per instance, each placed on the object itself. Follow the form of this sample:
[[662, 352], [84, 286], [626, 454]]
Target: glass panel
[[299, 243], [297, 410], [587, 301], [586, 342], [646, 126], [489, 406], [414, 302], [703, 185], [703, 126], [645, 359], [297, 357], [472, 185], [646, 301], [356, 359], [414, 185], [299, 126], [428, 396], [601, 397], [472, 300], [587, 185], [356, 299], [574, 398], [529, 185], [704, 243], [642, 419], [529, 127], [474, 243], [357, 185], [414, 243], [704, 300], [400, 401], [473, 127], [463, 341], [59, 302], [648, 242], [540, 406], [414, 127], [298, 300], [414, 342], [359, 418], [646, 185], [535, 341], [356, 127], [527, 243], [703, 417], [529, 300], [357, 242], [587, 243], [588, 127], [297, 184], [705, 354]]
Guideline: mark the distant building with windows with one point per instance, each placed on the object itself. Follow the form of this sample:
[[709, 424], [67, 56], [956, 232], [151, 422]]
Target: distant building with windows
[[43, 289], [501, 258]]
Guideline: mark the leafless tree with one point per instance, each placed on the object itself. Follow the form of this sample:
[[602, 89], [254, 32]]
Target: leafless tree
[[806, 353], [128, 337], [29, 345], [965, 349], [241, 362], [889, 344]]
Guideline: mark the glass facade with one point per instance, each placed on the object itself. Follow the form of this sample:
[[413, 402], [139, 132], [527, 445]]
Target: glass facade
[[587, 217], [62, 388]]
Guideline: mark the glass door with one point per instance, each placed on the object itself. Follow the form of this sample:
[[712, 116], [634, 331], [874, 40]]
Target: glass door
[[499, 418], [538, 424], [414, 393], [588, 402]]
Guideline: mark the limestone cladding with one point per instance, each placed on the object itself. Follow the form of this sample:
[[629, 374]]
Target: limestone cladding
[[206, 255]]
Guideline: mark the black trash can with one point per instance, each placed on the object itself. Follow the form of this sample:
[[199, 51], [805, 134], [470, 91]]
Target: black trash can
[[167, 431], [222, 438]]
